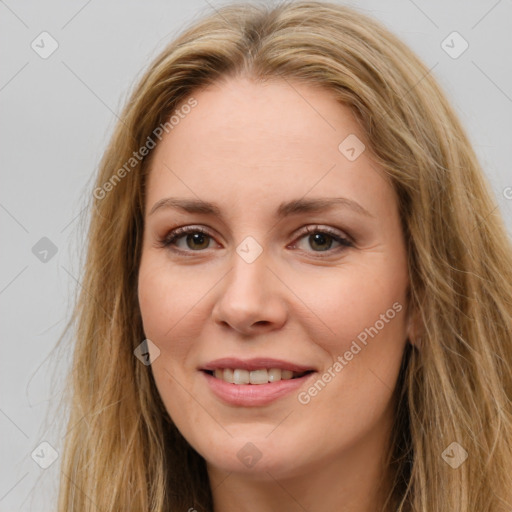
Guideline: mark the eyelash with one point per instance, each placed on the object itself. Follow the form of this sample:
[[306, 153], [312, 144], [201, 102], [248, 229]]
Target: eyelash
[[177, 233]]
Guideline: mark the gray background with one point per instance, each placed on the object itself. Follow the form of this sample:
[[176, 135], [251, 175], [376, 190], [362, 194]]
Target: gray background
[[56, 117]]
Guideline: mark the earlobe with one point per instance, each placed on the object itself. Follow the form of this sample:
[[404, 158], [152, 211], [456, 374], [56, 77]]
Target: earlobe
[[414, 329], [416, 343]]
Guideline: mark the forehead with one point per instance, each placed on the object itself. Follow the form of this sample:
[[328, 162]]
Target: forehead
[[240, 116], [246, 140]]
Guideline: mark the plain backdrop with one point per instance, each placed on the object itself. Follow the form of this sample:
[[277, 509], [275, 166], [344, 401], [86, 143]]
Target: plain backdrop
[[57, 114]]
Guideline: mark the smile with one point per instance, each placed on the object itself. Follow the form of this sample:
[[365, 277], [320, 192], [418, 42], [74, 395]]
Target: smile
[[263, 376], [255, 382]]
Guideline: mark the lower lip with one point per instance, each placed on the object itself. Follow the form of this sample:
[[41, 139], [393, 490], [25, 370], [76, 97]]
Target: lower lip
[[253, 395]]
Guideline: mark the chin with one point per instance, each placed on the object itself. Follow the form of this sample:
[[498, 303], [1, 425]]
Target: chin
[[256, 456]]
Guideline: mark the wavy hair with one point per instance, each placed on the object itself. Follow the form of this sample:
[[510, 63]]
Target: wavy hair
[[122, 451]]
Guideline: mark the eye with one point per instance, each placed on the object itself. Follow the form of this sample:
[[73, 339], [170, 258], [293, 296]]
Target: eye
[[196, 239], [321, 239]]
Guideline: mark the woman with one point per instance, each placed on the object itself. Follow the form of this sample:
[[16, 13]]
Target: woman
[[298, 291]]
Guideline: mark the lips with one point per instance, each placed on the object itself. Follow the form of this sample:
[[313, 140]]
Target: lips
[[259, 363], [253, 382]]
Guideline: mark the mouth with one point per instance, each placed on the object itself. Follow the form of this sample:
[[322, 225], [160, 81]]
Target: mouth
[[240, 376], [255, 382]]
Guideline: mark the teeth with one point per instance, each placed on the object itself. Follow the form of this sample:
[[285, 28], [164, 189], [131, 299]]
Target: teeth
[[258, 377], [274, 375], [263, 376], [286, 374], [241, 376], [228, 375]]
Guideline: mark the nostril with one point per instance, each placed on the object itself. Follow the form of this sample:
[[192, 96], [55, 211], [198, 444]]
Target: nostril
[[262, 322]]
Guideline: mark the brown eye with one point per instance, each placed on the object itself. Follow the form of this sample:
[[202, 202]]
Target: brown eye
[[196, 239], [322, 239]]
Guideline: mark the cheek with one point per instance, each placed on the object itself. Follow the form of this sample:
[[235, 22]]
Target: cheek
[[166, 300], [166, 296], [161, 309], [353, 302], [365, 339]]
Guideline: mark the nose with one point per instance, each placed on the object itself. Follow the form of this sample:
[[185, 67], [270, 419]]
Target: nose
[[251, 298]]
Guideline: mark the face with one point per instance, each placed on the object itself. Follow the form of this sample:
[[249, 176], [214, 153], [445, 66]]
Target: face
[[273, 249]]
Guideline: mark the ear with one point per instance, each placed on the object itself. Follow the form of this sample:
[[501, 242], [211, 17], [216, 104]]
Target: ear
[[414, 328]]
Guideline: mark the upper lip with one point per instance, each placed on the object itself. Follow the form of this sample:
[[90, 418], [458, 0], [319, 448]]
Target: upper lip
[[257, 363]]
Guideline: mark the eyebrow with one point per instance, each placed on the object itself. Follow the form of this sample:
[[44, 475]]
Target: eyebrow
[[293, 207]]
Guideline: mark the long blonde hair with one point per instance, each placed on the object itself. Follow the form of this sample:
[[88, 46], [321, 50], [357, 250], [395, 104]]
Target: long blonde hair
[[121, 450]]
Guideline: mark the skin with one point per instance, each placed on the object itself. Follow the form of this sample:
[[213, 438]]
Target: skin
[[248, 147]]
